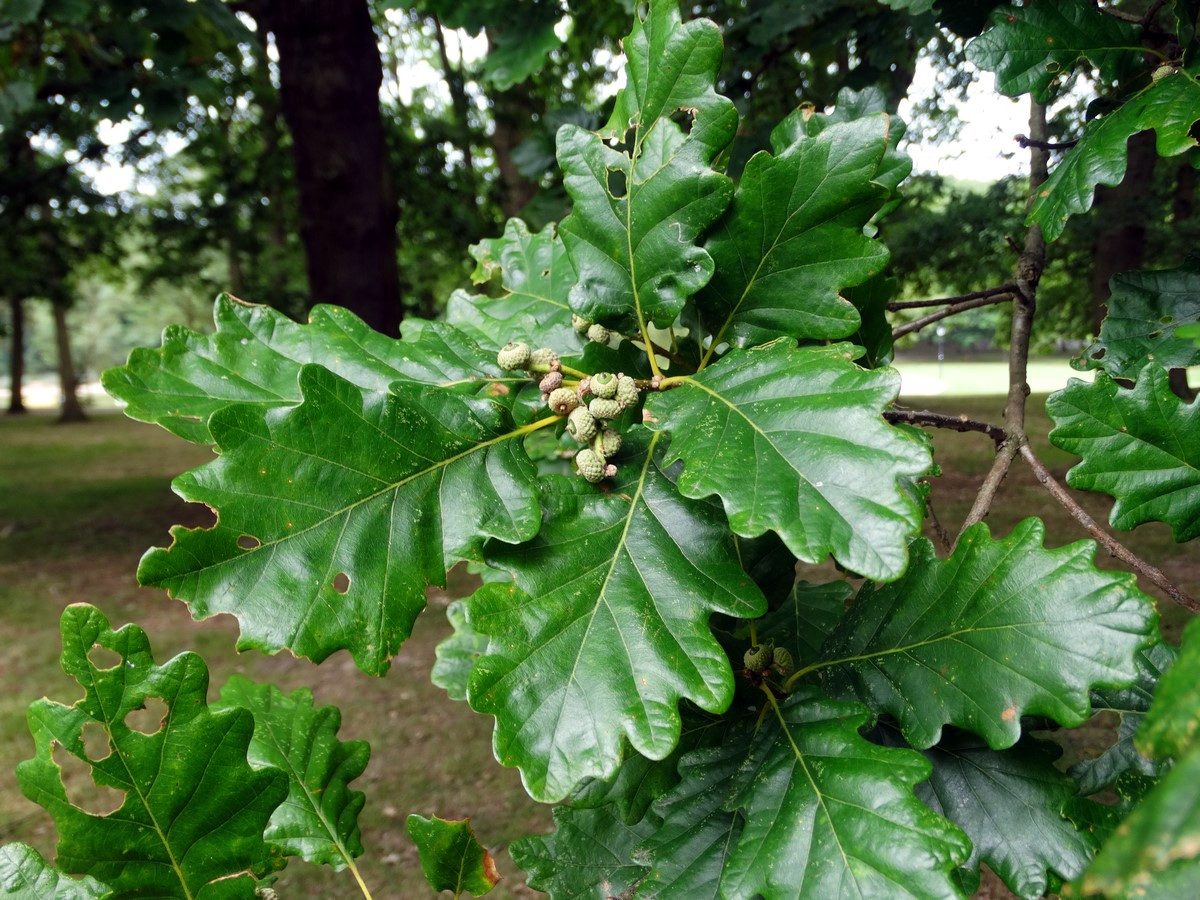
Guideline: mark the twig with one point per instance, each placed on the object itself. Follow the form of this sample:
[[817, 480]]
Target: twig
[[1025, 141], [943, 535], [938, 420], [1151, 13], [918, 324], [946, 301], [1106, 540], [1029, 272]]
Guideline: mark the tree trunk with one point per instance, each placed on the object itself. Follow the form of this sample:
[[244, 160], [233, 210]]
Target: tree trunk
[[330, 74], [16, 362], [1120, 244], [71, 410], [511, 111]]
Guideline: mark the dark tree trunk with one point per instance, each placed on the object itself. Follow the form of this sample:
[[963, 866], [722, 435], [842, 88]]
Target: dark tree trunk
[[71, 410], [329, 74], [16, 362], [1120, 244]]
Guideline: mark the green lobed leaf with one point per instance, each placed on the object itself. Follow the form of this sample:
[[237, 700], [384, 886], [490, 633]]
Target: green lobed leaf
[[318, 821], [24, 874], [537, 276], [589, 854], [793, 440], [793, 239], [1102, 772], [192, 820], [1140, 445], [457, 654], [1170, 106], [256, 354], [638, 212], [334, 515], [802, 806], [1148, 315], [451, 855], [605, 628], [804, 621], [1002, 629], [1011, 805], [1174, 716], [1029, 47], [518, 53]]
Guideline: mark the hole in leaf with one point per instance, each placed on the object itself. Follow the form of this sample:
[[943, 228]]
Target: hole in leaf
[[95, 741], [616, 184], [684, 118], [150, 718], [249, 542], [1154, 334], [341, 582], [1166, 320], [1099, 354], [103, 658], [81, 789], [545, 273]]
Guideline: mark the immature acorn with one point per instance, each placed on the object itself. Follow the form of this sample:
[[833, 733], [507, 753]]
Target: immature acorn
[[598, 333], [513, 355], [591, 467], [544, 359], [551, 381], [562, 400], [607, 443], [627, 391], [782, 662], [581, 425], [604, 384], [758, 657], [604, 409], [580, 324]]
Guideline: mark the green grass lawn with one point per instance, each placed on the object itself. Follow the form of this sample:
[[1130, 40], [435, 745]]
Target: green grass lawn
[[79, 504]]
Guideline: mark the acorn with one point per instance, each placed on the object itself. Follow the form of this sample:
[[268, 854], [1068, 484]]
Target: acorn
[[598, 333], [607, 443], [562, 400], [543, 359], [782, 661], [591, 467], [627, 391], [758, 657], [513, 355], [604, 384], [580, 324], [551, 381], [604, 409], [581, 425]]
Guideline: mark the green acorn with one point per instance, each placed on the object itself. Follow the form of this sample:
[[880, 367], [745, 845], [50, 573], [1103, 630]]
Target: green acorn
[[627, 391], [581, 425], [580, 324], [782, 662], [598, 333], [758, 657], [604, 409], [607, 443], [562, 400], [591, 467], [604, 384], [551, 381], [543, 359], [513, 355]]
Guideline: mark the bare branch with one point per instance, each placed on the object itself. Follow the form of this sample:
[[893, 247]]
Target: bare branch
[[918, 324], [1106, 540], [946, 301], [938, 420]]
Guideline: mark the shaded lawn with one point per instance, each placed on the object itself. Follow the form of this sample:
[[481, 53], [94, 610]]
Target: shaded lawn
[[79, 505]]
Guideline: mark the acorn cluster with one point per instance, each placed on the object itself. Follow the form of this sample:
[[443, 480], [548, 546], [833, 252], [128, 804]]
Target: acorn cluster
[[763, 659], [589, 407]]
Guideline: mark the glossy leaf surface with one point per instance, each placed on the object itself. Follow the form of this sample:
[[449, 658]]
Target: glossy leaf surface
[[25, 875], [1174, 716], [605, 628], [318, 821], [192, 819], [1002, 629], [794, 441], [1139, 445], [335, 515], [452, 857]]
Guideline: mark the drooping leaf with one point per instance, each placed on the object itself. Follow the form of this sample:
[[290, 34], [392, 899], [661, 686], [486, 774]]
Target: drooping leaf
[[518, 53], [589, 854], [793, 238], [1029, 47], [605, 628], [318, 821], [1174, 716], [537, 276], [192, 820], [1140, 445], [1170, 106], [255, 356], [1145, 312], [793, 441], [806, 618], [451, 855], [334, 515], [25, 875], [1101, 773], [823, 813], [639, 211], [457, 654], [1011, 805], [1001, 629]]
